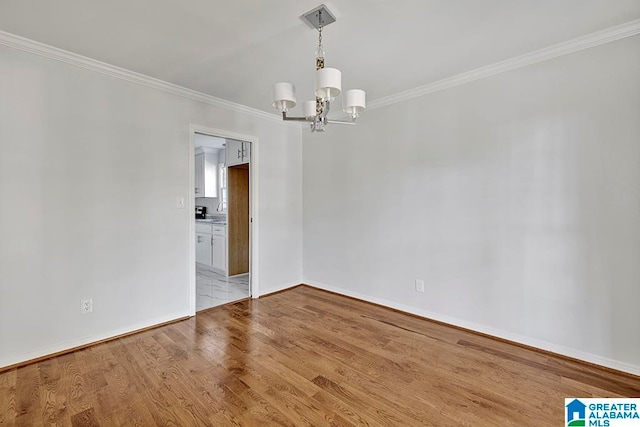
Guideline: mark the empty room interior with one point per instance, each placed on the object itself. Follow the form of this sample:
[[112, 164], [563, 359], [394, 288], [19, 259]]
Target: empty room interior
[[299, 213]]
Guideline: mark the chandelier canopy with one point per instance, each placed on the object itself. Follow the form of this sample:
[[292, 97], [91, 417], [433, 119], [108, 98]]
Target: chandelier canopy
[[328, 85]]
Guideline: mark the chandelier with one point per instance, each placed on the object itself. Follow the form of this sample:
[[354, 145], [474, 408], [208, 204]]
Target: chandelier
[[328, 84]]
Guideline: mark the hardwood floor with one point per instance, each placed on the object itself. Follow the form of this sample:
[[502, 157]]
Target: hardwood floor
[[302, 357]]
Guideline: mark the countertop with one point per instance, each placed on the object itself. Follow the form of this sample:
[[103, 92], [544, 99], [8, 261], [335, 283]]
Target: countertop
[[211, 221]]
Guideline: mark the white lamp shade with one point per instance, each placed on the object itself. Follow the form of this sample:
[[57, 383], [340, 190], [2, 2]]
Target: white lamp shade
[[353, 101], [328, 83], [284, 96], [309, 109]]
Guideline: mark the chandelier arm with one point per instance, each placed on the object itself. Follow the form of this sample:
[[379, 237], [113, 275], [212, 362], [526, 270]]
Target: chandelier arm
[[341, 122], [297, 119]]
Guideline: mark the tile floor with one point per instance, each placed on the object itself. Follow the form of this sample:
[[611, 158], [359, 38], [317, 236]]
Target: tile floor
[[214, 289]]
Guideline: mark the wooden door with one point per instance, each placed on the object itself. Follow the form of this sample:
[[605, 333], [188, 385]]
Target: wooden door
[[238, 218]]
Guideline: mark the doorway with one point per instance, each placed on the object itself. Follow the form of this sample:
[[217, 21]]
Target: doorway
[[227, 274]]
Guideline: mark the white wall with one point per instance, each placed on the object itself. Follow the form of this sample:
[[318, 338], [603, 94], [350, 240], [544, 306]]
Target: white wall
[[211, 203], [516, 198], [90, 168]]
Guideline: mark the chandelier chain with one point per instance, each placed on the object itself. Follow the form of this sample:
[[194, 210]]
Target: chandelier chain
[[320, 51], [319, 64]]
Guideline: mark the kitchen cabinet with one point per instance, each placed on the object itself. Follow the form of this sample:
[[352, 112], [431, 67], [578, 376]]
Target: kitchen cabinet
[[204, 248], [222, 194], [211, 246], [220, 249], [238, 152], [206, 172]]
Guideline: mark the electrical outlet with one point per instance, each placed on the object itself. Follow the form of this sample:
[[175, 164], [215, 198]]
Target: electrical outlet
[[86, 306], [419, 285]]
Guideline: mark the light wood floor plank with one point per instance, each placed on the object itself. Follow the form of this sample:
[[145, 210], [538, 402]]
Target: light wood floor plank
[[8, 397]]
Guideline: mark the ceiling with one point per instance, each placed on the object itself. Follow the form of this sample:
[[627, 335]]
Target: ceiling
[[236, 50]]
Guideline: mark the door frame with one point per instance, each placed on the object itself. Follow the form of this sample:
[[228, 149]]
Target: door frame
[[254, 253]]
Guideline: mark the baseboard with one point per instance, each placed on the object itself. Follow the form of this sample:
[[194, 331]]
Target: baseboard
[[7, 363], [281, 290], [485, 330], [80, 343], [274, 290]]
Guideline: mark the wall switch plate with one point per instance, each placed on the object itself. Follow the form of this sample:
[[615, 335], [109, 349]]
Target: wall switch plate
[[86, 306], [180, 202], [419, 285]]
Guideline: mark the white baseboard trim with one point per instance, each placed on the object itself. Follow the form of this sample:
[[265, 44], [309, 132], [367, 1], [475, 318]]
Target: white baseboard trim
[[87, 340], [279, 288], [498, 333]]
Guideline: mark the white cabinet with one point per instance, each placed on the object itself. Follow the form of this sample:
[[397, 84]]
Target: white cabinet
[[220, 249], [211, 246], [222, 195], [199, 175], [238, 152], [204, 248], [206, 173]]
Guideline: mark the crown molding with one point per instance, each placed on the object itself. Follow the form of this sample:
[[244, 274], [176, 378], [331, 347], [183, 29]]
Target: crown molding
[[50, 52], [628, 29], [618, 32]]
